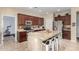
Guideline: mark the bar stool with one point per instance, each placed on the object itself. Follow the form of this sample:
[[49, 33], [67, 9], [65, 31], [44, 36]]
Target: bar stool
[[53, 44], [56, 43], [48, 45], [45, 45], [60, 39]]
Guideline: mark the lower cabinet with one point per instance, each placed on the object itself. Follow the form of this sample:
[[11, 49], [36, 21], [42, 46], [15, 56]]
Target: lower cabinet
[[22, 36], [66, 35]]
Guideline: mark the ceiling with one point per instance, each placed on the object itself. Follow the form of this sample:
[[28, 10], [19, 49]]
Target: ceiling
[[44, 10]]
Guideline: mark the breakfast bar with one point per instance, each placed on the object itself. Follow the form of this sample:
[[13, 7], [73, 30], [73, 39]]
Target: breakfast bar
[[37, 40]]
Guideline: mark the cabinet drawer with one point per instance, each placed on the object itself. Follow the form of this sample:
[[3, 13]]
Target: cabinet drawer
[[22, 33]]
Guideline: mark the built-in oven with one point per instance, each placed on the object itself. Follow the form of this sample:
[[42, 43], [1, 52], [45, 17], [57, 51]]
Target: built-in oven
[[28, 22], [28, 25]]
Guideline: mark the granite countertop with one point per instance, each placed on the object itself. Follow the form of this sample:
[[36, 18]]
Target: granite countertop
[[35, 39], [65, 29], [21, 30], [33, 30], [43, 35]]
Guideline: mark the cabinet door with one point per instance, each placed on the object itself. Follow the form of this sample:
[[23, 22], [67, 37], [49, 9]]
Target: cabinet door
[[41, 21], [67, 20], [19, 19], [35, 21], [22, 36], [27, 18], [66, 35], [57, 18], [23, 20]]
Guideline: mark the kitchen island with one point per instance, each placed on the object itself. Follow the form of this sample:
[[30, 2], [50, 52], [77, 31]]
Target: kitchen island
[[35, 39]]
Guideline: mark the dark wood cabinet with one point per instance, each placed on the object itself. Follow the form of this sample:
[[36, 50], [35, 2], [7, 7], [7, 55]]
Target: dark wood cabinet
[[65, 19], [35, 20], [67, 35], [41, 21], [19, 19], [23, 20], [22, 36]]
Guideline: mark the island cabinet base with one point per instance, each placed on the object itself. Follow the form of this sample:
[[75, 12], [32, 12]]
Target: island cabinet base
[[43, 40], [22, 36]]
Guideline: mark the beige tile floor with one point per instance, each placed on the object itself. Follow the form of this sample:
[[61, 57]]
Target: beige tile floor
[[10, 45], [67, 45]]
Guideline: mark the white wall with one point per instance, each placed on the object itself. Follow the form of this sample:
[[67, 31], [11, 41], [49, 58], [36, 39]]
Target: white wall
[[73, 20]]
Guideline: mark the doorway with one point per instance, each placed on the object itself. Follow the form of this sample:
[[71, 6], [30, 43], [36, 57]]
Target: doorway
[[8, 31], [77, 26]]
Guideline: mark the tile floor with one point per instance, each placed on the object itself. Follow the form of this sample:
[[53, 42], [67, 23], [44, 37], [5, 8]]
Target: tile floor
[[11, 45], [67, 45]]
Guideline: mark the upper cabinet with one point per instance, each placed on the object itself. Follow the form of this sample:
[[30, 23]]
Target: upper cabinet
[[23, 20], [19, 19], [35, 20], [66, 19], [41, 21], [38, 21]]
